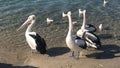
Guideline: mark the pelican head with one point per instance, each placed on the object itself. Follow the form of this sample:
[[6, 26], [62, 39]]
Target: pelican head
[[68, 14], [31, 19], [80, 12]]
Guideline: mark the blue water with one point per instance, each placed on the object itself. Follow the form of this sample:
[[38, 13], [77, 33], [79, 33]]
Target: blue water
[[15, 12]]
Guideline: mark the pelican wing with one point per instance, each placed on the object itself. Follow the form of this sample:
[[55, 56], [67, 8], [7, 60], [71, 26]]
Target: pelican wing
[[94, 38], [81, 43], [90, 28], [41, 45], [91, 36]]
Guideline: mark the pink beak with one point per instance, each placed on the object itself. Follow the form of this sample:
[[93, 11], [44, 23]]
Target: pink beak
[[26, 22]]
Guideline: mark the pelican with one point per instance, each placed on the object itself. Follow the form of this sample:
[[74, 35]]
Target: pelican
[[104, 3], [91, 39], [48, 20], [75, 43], [89, 27], [36, 42]]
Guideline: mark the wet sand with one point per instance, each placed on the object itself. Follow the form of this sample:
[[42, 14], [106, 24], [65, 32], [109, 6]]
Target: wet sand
[[15, 52]]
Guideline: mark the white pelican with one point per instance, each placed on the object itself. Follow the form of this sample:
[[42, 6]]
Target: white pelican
[[89, 27], [48, 20], [104, 3], [91, 39], [73, 42], [36, 42]]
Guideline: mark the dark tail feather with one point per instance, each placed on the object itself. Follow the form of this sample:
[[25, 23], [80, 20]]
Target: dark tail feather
[[41, 44], [42, 48], [97, 41]]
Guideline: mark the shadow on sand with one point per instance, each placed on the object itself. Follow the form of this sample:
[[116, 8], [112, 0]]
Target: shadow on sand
[[57, 51], [3, 65], [105, 36], [108, 52]]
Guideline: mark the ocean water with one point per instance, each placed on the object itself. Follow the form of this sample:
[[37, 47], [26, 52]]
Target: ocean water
[[14, 12]]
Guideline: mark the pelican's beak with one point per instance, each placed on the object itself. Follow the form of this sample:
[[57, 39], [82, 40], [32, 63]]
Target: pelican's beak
[[26, 22]]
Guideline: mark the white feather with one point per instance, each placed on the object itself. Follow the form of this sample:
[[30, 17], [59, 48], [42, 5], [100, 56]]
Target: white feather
[[30, 40], [100, 27], [104, 3], [49, 20]]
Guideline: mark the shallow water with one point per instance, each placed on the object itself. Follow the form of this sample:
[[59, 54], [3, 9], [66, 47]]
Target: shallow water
[[13, 13]]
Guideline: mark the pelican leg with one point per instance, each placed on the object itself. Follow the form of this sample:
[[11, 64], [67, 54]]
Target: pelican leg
[[76, 57], [78, 54], [72, 54], [81, 55]]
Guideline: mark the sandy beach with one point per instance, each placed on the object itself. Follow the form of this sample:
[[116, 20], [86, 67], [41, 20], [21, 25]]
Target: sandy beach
[[15, 53]]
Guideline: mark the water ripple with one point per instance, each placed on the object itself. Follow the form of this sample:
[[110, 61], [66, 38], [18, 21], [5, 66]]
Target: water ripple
[[14, 11]]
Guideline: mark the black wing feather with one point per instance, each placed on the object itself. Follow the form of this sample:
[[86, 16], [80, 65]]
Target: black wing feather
[[41, 44], [89, 26], [97, 41]]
